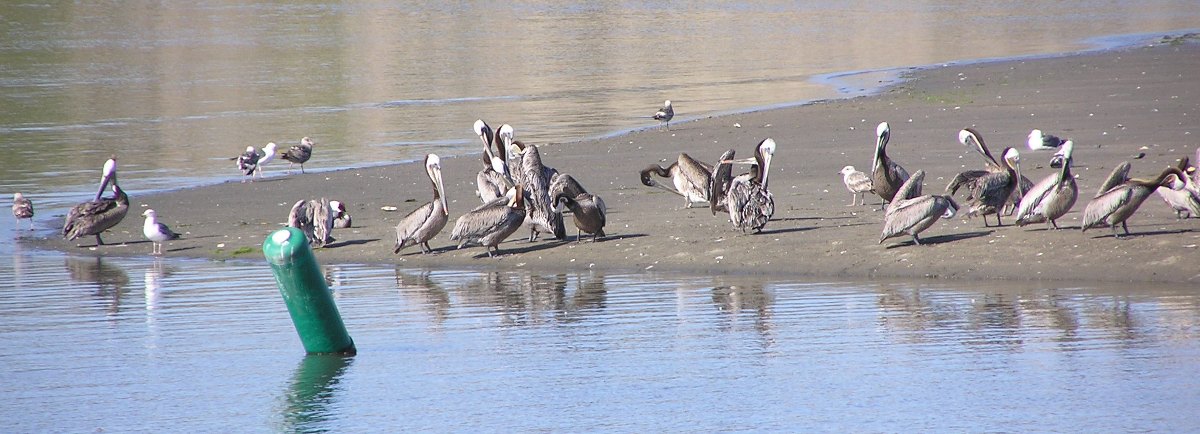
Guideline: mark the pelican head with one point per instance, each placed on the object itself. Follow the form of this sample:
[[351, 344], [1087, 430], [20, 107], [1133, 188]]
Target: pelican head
[[765, 151], [883, 132], [109, 175], [951, 208], [505, 134], [1063, 156], [433, 168]]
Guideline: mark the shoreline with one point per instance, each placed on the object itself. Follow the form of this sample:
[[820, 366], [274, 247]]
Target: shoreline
[[648, 231]]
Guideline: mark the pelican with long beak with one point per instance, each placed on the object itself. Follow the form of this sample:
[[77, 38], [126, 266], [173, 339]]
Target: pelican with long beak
[[98, 215], [493, 180], [1185, 202], [425, 222], [1119, 203], [542, 215], [886, 175], [913, 213], [1054, 195], [970, 178], [749, 202], [489, 224], [690, 177], [992, 191]]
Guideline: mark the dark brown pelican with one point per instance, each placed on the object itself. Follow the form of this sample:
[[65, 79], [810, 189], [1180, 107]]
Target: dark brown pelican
[[315, 219], [341, 218], [489, 224], [749, 202], [1119, 175], [972, 139], [100, 214], [886, 175], [1043, 142], [1054, 195], [1119, 203], [664, 114], [22, 209], [541, 215], [421, 225], [299, 154], [690, 177], [913, 215], [248, 163], [722, 177], [992, 191], [493, 181], [588, 210], [858, 183], [156, 232], [1185, 202]]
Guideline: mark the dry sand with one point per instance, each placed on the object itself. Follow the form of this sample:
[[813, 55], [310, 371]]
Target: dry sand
[[1114, 104]]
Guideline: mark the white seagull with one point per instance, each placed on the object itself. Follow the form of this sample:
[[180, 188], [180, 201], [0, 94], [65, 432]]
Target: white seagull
[[156, 232]]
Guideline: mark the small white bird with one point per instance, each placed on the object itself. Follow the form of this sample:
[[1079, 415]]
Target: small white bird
[[156, 232], [1043, 142], [665, 114], [858, 183], [22, 209], [268, 155]]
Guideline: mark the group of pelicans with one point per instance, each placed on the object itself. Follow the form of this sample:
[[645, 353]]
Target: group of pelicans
[[516, 189]]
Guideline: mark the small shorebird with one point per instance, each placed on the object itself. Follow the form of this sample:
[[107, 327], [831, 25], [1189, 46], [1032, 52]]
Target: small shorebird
[[1039, 141], [425, 222], [299, 154], [886, 175], [341, 218], [690, 177], [98, 215], [156, 232], [664, 114], [489, 224], [22, 209], [1054, 195], [1117, 204], [858, 183], [247, 162]]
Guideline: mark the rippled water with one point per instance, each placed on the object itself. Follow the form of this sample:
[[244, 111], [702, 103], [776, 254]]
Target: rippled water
[[187, 345]]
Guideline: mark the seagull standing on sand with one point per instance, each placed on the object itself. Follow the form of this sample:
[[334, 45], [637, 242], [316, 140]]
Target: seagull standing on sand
[[858, 183], [299, 154], [156, 232], [22, 209], [665, 114], [268, 155], [248, 163]]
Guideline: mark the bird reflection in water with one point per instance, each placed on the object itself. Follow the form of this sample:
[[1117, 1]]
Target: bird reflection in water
[[739, 301], [432, 298], [308, 402], [110, 281]]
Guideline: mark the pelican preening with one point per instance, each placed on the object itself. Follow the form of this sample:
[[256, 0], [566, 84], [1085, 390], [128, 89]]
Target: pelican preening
[[22, 208], [489, 224], [886, 175], [1116, 205], [912, 213], [341, 218], [100, 214], [972, 139], [542, 216], [1186, 201], [587, 210], [156, 232], [425, 222], [858, 183], [664, 114], [493, 181], [1039, 141], [1054, 195], [748, 201], [722, 176], [995, 187], [299, 154], [690, 177], [1118, 175], [315, 219]]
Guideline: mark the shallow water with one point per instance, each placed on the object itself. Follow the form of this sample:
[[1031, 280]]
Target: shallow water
[[188, 345]]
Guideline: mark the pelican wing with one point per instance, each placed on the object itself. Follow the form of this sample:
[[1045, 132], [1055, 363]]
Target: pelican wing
[[565, 184], [698, 177], [83, 215], [910, 189], [909, 212], [897, 171], [490, 185], [721, 178], [1119, 175], [1106, 204], [406, 230], [472, 226], [1034, 198], [967, 179], [993, 188]]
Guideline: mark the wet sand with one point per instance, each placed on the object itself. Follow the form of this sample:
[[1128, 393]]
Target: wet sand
[[1115, 105]]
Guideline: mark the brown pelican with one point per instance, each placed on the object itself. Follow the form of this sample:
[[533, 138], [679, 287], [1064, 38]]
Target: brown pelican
[[341, 218], [100, 214], [493, 181], [992, 191], [489, 224], [248, 163], [913, 215], [588, 210], [910, 189], [886, 175], [156, 232], [1054, 195], [858, 183], [541, 216], [1119, 203], [22, 209], [690, 177], [1119, 175], [972, 139], [1043, 142], [1185, 202], [749, 202], [664, 114], [722, 177], [421, 225], [299, 154], [314, 218]]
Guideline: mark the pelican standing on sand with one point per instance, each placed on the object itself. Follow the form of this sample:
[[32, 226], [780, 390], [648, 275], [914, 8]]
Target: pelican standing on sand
[[542, 216], [1185, 202], [587, 210], [748, 201], [299, 154], [156, 232], [690, 177], [886, 175], [315, 219], [22, 208], [992, 191], [421, 225], [858, 183], [912, 215], [1054, 195], [970, 178], [248, 163], [100, 214], [664, 114], [1119, 203], [493, 181], [489, 224]]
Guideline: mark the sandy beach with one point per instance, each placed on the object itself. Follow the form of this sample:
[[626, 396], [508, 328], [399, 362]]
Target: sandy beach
[[1115, 105]]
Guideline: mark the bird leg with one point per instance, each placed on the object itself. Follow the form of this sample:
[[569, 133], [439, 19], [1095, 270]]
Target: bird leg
[[99, 242], [425, 244], [1125, 227], [916, 240]]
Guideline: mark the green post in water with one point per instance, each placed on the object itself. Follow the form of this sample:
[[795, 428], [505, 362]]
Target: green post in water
[[304, 291]]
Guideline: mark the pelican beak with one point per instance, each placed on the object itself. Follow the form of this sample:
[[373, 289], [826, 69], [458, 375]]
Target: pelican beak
[[435, 172], [109, 176], [766, 168]]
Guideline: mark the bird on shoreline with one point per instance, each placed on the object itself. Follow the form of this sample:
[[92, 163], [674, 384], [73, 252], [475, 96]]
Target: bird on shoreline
[[749, 202], [100, 214], [315, 219], [1119, 203], [587, 210], [664, 115], [489, 224], [721, 178], [156, 232], [1119, 175], [341, 218], [1054, 195], [425, 222], [541, 215], [267, 156], [247, 163], [1039, 141], [971, 178], [690, 177], [858, 183], [493, 180], [886, 174], [22, 208], [299, 154], [913, 213], [1186, 201]]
